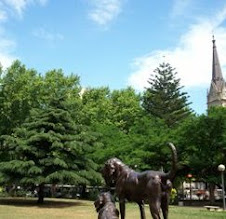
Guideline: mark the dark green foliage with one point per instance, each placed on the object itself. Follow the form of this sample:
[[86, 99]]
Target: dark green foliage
[[116, 143], [143, 147], [149, 140], [203, 140], [50, 148], [59, 140], [164, 98]]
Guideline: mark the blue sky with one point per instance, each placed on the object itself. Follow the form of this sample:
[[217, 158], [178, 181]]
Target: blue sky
[[116, 43]]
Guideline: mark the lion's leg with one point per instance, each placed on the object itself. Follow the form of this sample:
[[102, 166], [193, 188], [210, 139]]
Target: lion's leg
[[154, 205], [165, 199], [165, 205], [122, 207], [142, 211]]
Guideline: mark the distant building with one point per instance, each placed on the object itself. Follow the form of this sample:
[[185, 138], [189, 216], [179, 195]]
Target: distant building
[[217, 93]]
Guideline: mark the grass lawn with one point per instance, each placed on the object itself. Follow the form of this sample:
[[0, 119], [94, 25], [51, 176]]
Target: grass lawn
[[20, 208]]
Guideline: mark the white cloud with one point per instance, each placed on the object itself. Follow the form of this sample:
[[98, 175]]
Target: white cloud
[[105, 11], [46, 35], [7, 9], [3, 15], [192, 56], [42, 2], [6, 60], [6, 48], [179, 7], [19, 5]]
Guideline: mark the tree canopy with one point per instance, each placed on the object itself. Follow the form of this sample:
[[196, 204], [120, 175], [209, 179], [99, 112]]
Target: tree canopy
[[164, 98], [50, 148], [203, 140], [54, 131]]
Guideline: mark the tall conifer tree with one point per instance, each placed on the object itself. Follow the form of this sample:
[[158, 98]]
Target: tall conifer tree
[[164, 98], [50, 148]]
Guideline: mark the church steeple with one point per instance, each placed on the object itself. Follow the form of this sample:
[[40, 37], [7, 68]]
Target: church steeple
[[217, 93], [217, 77]]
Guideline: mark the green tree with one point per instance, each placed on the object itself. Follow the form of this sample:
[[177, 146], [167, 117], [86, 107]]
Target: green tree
[[96, 105], [164, 98], [125, 108], [115, 143], [50, 148], [143, 147], [19, 91], [149, 139], [55, 84], [22, 89], [111, 113], [203, 140], [117, 107]]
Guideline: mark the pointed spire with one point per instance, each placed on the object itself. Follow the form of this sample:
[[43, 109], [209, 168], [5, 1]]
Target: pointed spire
[[217, 92], [217, 77]]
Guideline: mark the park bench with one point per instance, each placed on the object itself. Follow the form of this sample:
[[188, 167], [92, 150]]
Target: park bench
[[213, 208]]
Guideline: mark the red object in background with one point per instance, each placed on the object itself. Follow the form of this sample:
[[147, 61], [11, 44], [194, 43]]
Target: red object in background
[[189, 175]]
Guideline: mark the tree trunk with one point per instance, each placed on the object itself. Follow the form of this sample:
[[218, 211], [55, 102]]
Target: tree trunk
[[12, 190], [211, 189], [53, 191], [41, 193], [83, 192]]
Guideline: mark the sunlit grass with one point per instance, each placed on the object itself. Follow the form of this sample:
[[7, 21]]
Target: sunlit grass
[[20, 208]]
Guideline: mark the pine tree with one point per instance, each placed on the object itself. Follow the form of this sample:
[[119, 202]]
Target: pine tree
[[164, 98], [50, 148]]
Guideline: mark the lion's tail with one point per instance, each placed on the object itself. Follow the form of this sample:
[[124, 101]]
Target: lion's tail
[[171, 174]]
